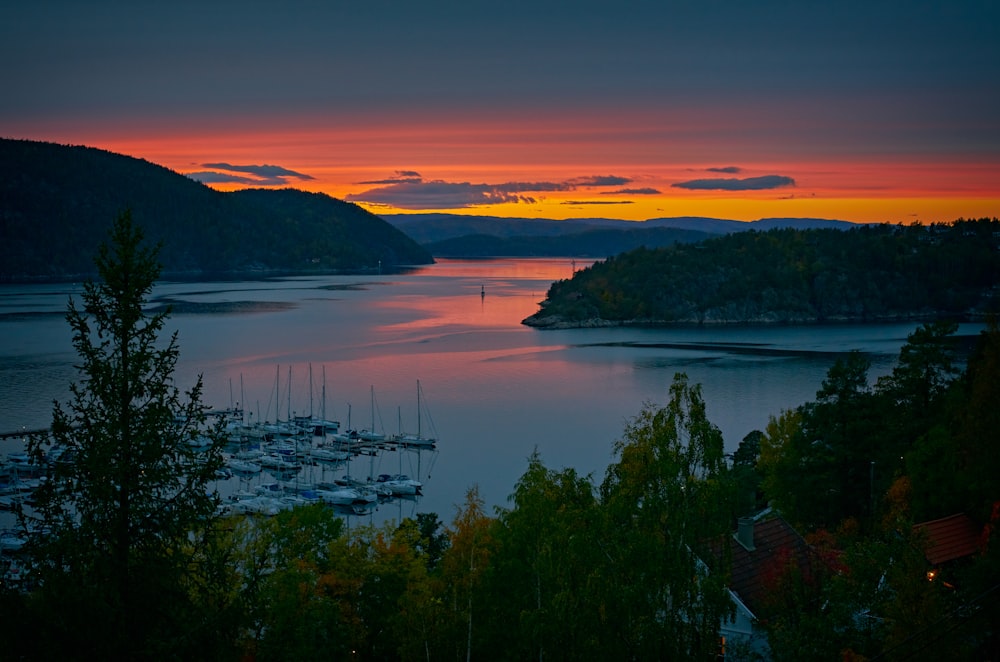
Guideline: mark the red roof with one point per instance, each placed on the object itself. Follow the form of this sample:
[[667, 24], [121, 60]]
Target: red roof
[[776, 544], [949, 538]]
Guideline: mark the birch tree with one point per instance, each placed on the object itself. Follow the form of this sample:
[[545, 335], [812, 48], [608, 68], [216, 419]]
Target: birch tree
[[666, 500]]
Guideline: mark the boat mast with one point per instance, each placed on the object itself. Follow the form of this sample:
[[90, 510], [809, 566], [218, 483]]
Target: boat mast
[[323, 405]]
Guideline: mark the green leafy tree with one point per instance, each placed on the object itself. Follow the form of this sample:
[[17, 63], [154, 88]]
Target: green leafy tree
[[666, 499], [780, 454], [978, 425], [541, 577], [917, 393], [419, 626], [125, 516], [818, 461], [463, 567], [303, 583], [747, 475], [925, 369], [431, 541]]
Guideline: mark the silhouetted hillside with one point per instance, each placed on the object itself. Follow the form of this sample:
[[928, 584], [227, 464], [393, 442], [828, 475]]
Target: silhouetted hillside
[[57, 203]]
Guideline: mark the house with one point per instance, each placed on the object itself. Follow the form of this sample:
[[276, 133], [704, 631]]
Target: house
[[765, 548], [765, 545], [947, 540]]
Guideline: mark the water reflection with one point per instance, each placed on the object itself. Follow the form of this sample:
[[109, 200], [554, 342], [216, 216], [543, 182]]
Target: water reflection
[[497, 389]]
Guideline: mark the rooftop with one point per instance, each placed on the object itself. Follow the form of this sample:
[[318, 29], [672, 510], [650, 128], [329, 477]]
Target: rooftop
[[949, 538]]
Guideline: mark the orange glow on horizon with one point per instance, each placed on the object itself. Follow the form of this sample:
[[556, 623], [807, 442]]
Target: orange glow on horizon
[[348, 156]]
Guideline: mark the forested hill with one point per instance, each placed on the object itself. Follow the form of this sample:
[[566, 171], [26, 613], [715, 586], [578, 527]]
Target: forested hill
[[57, 203], [866, 274]]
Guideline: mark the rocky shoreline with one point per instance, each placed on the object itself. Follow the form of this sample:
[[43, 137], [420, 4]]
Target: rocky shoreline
[[557, 322]]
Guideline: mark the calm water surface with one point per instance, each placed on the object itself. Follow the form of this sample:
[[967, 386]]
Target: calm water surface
[[495, 390]]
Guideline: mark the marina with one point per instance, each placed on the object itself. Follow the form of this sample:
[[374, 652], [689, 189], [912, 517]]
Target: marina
[[274, 466]]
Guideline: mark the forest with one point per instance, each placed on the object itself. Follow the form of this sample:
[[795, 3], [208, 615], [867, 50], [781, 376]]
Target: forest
[[56, 202], [132, 560], [865, 274]]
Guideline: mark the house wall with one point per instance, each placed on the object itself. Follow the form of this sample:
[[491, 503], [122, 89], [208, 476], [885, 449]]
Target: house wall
[[741, 633]]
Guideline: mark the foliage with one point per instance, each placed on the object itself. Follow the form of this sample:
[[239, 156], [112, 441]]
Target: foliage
[[542, 577], [868, 273], [747, 478], [833, 458], [880, 602], [463, 568], [124, 517], [665, 500]]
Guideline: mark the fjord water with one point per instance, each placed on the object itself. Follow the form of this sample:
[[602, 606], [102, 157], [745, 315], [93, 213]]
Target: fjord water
[[494, 390]]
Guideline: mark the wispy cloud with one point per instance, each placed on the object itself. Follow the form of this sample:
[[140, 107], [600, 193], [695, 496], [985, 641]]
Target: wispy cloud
[[597, 202], [761, 183], [406, 189], [259, 175], [207, 177], [438, 195], [598, 180], [632, 191], [400, 177], [726, 170]]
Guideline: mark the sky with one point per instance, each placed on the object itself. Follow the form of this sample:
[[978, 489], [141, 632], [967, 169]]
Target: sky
[[870, 111]]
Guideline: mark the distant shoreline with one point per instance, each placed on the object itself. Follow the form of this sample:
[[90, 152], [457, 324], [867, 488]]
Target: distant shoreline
[[557, 322]]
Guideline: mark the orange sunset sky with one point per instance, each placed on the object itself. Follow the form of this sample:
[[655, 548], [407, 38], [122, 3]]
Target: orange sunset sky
[[866, 112]]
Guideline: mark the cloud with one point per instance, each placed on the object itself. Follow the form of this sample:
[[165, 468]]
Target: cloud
[[400, 177], [726, 170], [208, 177], [733, 184], [598, 180], [632, 191], [260, 175], [406, 189], [441, 195], [597, 202]]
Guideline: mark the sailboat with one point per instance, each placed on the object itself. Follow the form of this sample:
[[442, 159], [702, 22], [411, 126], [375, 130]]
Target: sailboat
[[322, 426], [417, 440], [370, 434]]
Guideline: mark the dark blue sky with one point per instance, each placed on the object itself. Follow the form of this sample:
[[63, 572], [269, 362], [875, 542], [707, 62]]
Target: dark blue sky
[[798, 80]]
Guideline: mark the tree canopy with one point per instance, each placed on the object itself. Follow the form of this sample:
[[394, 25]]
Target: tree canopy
[[868, 273]]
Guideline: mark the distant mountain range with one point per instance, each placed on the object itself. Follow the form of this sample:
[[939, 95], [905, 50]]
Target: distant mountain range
[[58, 202], [456, 235]]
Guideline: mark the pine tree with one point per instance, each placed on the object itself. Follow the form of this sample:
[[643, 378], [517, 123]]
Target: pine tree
[[126, 510]]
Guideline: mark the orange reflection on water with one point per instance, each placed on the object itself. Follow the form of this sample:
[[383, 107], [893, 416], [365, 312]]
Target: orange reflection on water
[[468, 310], [488, 294], [514, 269]]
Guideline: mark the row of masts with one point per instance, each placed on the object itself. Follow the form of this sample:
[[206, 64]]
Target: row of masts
[[237, 410]]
